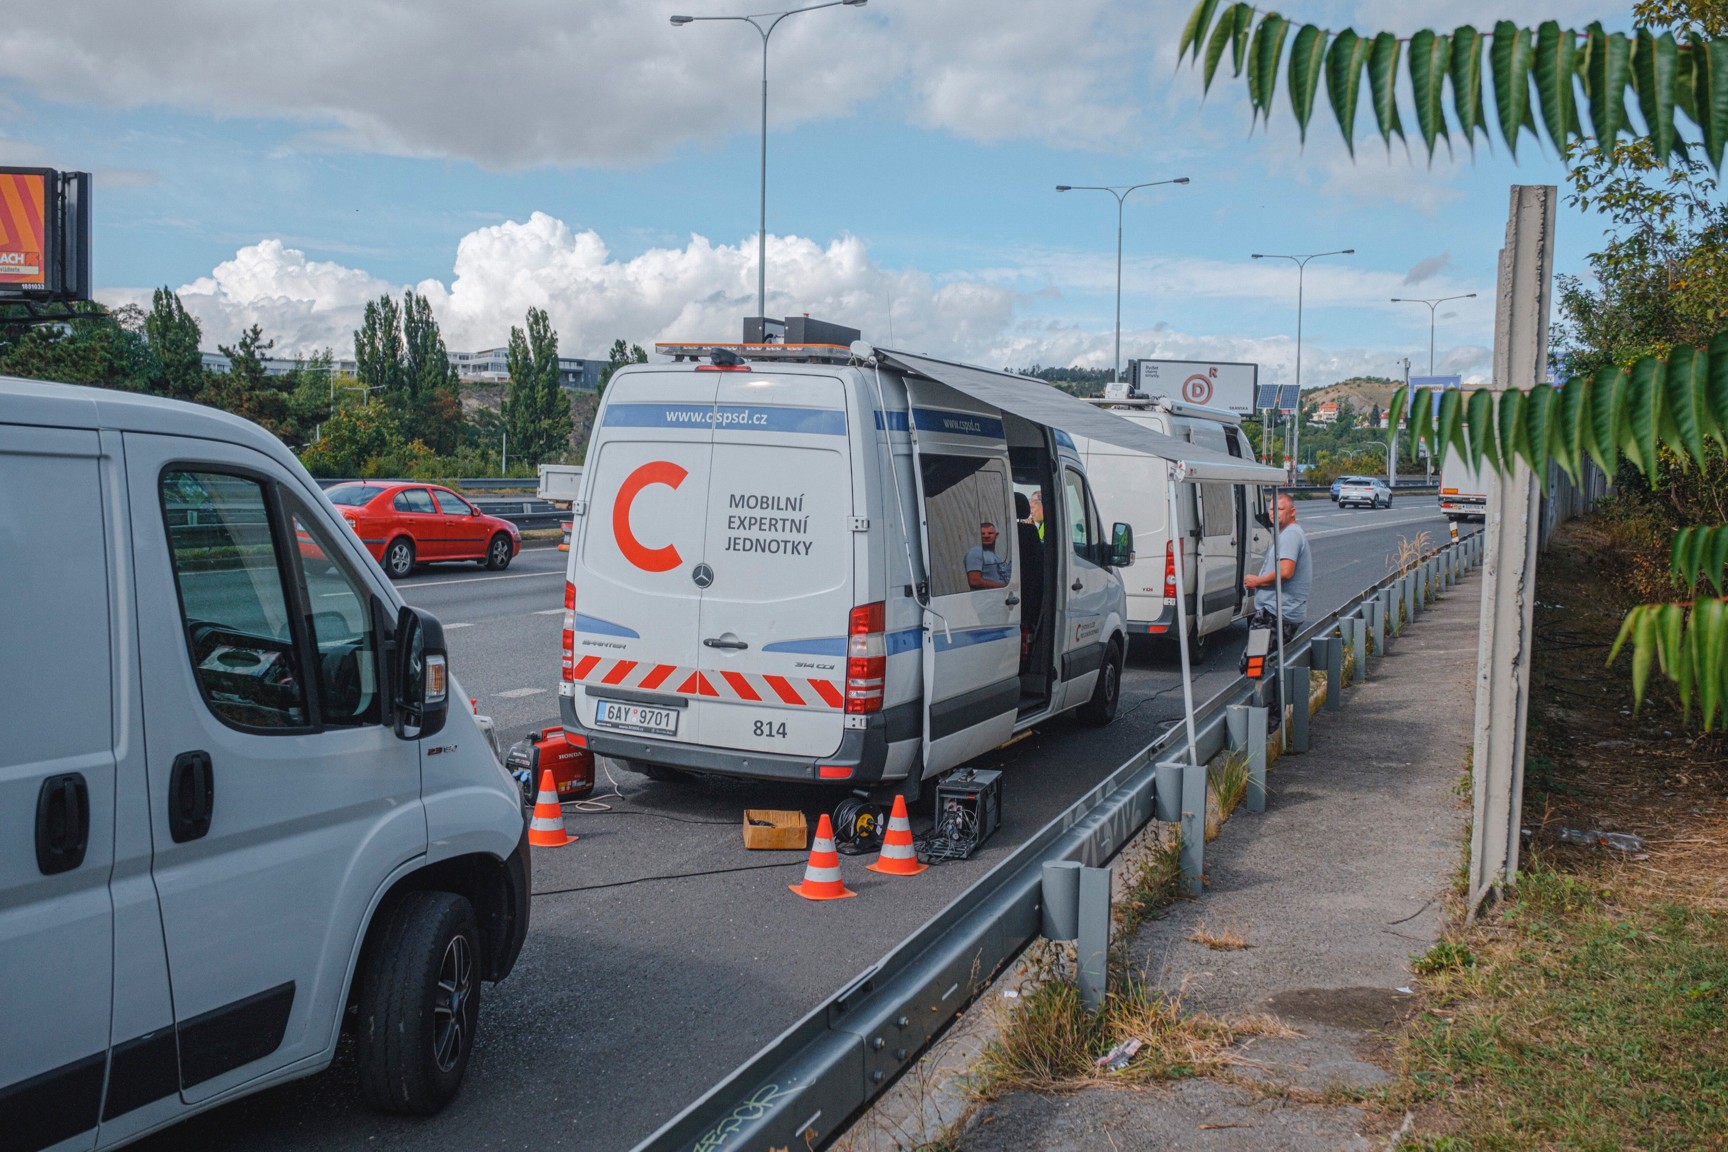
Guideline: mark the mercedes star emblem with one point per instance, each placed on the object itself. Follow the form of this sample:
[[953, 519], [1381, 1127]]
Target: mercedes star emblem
[[702, 575]]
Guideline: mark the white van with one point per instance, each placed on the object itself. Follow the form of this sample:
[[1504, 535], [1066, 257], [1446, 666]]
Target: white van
[[1222, 524], [234, 809], [820, 565]]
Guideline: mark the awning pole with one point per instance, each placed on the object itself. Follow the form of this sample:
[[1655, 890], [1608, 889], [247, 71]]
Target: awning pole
[[1278, 608], [1177, 540]]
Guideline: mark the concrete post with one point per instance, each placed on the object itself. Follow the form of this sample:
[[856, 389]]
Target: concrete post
[[1512, 531], [1093, 947]]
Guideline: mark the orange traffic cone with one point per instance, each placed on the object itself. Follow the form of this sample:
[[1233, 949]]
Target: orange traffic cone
[[546, 830], [899, 857], [822, 874]]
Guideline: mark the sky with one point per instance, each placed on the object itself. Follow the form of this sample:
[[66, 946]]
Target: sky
[[282, 164]]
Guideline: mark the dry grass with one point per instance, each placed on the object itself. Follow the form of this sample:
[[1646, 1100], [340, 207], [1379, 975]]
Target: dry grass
[[1217, 939], [1151, 874], [1229, 779], [1047, 1041], [1408, 553]]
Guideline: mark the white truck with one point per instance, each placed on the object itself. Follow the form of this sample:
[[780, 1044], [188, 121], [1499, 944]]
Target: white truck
[[1463, 489], [560, 482]]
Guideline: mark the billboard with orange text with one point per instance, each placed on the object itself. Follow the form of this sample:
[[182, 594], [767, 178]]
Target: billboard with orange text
[[24, 229]]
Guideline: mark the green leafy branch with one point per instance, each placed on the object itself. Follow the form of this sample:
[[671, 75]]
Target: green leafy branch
[[1679, 404], [1535, 77]]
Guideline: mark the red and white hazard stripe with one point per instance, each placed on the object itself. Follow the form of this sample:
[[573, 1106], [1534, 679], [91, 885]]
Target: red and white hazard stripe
[[745, 687]]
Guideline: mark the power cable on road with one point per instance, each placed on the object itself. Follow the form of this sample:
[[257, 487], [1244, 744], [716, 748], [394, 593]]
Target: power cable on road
[[670, 876]]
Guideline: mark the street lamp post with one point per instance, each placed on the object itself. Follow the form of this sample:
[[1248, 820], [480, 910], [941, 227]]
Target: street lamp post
[[1121, 193], [1301, 262], [765, 30], [1432, 305]]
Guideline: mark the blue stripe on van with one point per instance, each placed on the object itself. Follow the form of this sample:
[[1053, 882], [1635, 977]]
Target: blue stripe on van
[[1064, 440], [957, 423], [600, 627], [893, 421], [728, 418], [973, 636], [905, 640], [816, 646]]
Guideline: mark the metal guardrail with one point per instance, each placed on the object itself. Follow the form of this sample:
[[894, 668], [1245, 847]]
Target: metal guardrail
[[472, 484], [805, 1086]]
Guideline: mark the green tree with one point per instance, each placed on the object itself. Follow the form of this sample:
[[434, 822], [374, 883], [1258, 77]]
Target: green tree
[[536, 410], [248, 389], [378, 347], [353, 437], [173, 335], [432, 405], [1657, 408], [620, 355], [96, 347]]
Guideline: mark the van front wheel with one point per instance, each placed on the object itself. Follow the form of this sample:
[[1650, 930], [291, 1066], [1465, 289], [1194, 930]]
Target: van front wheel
[[419, 1001], [1107, 692]]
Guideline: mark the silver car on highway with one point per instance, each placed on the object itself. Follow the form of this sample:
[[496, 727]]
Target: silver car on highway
[[1364, 492]]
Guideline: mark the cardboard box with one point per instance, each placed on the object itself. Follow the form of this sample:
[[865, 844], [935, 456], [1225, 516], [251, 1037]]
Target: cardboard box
[[770, 829]]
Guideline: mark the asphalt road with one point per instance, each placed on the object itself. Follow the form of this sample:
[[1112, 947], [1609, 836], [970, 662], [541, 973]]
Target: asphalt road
[[662, 954]]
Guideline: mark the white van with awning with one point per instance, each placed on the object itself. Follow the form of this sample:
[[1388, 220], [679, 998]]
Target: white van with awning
[[809, 562]]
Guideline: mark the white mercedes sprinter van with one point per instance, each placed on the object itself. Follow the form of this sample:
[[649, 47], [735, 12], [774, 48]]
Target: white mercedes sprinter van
[[821, 564], [1222, 525], [234, 809]]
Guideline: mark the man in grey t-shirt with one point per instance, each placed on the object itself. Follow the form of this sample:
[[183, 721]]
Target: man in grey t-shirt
[[985, 567], [1297, 571]]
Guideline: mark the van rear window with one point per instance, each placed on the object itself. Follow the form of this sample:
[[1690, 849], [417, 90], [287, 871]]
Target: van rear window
[[353, 495]]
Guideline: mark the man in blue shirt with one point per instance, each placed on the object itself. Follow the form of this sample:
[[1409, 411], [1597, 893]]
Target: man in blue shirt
[[984, 567], [1296, 572]]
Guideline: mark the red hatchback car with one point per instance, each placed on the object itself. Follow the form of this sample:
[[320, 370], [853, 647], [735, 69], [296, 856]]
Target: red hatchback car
[[407, 524]]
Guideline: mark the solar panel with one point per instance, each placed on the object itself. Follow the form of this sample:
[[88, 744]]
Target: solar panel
[[1281, 397]]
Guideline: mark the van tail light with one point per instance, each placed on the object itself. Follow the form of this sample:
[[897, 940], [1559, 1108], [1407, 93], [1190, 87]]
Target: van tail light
[[568, 669], [866, 658], [1170, 570]]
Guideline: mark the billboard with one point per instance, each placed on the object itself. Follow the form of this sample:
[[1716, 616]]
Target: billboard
[[44, 235], [1207, 382]]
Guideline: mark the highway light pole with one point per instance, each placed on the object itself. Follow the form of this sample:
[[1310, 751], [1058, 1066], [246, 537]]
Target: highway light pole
[[1432, 304], [765, 30], [1301, 262], [1121, 193]]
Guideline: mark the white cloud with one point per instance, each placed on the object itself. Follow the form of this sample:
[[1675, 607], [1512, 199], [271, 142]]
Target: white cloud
[[701, 291], [1428, 269]]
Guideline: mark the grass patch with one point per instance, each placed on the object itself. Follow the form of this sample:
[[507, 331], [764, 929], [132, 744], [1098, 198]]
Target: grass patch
[[1217, 939], [1048, 1042], [1152, 881], [1229, 778], [1576, 1016]]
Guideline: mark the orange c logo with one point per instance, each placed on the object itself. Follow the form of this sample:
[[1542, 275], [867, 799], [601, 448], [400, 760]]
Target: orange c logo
[[648, 559]]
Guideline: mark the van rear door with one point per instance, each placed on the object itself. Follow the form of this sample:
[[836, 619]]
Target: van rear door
[[637, 567], [780, 546], [972, 613]]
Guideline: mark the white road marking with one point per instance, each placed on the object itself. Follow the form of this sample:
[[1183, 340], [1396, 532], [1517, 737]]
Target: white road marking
[[547, 612], [515, 692], [1373, 524], [448, 627]]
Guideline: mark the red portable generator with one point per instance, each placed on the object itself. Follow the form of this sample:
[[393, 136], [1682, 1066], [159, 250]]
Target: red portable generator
[[572, 766]]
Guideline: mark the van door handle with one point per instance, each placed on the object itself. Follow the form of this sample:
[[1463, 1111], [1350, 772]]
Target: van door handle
[[717, 643], [1012, 600], [1076, 586], [62, 823], [191, 796]]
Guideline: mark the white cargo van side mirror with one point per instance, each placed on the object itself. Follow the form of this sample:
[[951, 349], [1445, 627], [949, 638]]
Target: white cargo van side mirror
[[1121, 545], [421, 675]]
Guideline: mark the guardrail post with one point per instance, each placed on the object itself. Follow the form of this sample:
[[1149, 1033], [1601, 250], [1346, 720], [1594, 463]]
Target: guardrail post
[[1167, 791], [1327, 652], [1420, 592], [1246, 724], [1193, 826], [1385, 620], [1358, 633], [1374, 616], [1092, 956], [1295, 697], [1061, 899]]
